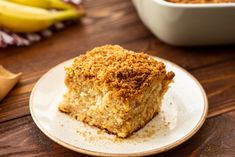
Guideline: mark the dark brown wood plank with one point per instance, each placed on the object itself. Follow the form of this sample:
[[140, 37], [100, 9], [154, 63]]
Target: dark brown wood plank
[[107, 22], [217, 80], [97, 29], [215, 139], [21, 137], [188, 57]]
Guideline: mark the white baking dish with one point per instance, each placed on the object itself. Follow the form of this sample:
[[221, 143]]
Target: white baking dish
[[189, 24]]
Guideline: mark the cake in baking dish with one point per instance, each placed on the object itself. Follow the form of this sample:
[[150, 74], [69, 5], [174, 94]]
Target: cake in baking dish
[[201, 1], [115, 89]]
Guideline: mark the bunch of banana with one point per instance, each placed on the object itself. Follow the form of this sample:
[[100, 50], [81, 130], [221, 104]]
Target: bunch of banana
[[47, 4], [30, 17]]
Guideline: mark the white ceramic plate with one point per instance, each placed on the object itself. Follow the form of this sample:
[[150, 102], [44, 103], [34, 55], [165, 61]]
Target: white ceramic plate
[[183, 113]]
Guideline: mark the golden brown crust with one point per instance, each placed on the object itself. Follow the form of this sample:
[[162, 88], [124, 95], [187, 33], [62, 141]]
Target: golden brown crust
[[126, 72], [115, 89]]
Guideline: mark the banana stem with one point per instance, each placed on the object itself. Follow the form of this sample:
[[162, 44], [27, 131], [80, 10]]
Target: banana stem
[[68, 15]]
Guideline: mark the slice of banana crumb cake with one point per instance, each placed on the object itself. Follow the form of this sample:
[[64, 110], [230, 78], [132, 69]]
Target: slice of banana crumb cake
[[115, 89]]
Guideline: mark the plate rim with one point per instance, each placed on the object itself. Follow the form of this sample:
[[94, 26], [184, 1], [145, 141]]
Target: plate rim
[[143, 153]]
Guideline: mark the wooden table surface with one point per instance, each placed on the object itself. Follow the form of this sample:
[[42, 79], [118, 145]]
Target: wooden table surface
[[116, 22]]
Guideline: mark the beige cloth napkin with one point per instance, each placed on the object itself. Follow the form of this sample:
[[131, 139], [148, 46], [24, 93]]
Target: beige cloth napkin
[[7, 81]]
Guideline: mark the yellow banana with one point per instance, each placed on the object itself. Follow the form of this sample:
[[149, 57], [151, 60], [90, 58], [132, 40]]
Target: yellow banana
[[8, 7], [20, 18], [56, 4]]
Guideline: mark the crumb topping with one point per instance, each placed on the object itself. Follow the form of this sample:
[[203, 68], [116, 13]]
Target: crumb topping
[[118, 69]]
